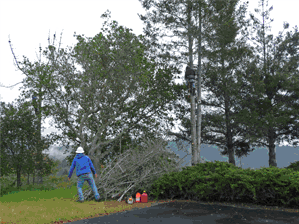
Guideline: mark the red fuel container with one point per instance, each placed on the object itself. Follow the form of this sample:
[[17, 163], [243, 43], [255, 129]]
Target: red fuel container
[[144, 197]]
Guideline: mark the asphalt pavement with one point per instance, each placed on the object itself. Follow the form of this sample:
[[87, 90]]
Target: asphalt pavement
[[196, 212]]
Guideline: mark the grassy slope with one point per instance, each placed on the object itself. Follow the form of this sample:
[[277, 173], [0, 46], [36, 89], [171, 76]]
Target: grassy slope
[[37, 205]]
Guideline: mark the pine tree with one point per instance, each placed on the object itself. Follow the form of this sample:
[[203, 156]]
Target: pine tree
[[224, 86], [169, 14], [263, 106]]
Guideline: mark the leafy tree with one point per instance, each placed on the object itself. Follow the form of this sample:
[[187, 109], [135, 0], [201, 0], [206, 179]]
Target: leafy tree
[[5, 169], [35, 73], [125, 138], [97, 92], [17, 132], [44, 165], [8, 139]]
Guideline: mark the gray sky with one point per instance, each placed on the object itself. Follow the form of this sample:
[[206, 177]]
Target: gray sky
[[28, 23]]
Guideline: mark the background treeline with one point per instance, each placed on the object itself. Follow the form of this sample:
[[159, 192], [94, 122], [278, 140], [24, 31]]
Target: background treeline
[[255, 89], [20, 148]]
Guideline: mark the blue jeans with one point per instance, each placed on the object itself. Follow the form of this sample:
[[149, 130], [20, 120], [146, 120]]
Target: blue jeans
[[89, 178]]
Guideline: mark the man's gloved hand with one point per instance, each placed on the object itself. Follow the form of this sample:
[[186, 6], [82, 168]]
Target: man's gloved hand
[[96, 175]]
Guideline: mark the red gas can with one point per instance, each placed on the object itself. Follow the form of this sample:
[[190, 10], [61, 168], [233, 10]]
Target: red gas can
[[144, 198]]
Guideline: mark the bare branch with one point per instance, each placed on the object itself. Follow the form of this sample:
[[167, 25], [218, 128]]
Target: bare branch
[[112, 181]]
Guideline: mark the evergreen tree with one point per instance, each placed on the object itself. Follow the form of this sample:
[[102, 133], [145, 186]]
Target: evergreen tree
[[269, 115], [175, 15], [226, 86], [221, 28]]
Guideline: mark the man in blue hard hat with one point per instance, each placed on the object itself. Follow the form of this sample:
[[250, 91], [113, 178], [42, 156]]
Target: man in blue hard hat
[[84, 167]]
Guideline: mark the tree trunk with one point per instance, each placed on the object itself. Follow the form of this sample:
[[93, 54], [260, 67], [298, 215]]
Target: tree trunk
[[28, 175], [272, 150], [19, 184], [229, 139], [198, 103], [33, 177], [38, 114], [193, 123]]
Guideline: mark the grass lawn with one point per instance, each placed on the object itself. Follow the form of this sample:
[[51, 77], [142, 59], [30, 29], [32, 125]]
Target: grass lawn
[[53, 202]]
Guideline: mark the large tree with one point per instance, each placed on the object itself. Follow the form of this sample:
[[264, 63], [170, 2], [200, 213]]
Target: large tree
[[269, 114], [87, 112], [225, 54], [34, 74], [125, 138]]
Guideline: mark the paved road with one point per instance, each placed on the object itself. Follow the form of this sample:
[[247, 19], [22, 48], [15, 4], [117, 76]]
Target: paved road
[[196, 212]]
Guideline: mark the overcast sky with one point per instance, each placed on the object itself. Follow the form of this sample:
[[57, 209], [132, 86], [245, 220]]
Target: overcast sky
[[28, 23]]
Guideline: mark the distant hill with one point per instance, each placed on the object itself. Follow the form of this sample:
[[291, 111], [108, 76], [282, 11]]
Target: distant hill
[[255, 160]]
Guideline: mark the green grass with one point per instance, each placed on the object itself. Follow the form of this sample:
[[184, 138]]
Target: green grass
[[35, 193], [53, 201]]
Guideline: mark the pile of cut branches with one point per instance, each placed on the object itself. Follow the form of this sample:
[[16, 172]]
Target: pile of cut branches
[[134, 169]]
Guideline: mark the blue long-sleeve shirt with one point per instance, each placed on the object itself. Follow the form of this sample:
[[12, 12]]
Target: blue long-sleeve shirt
[[83, 164]]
